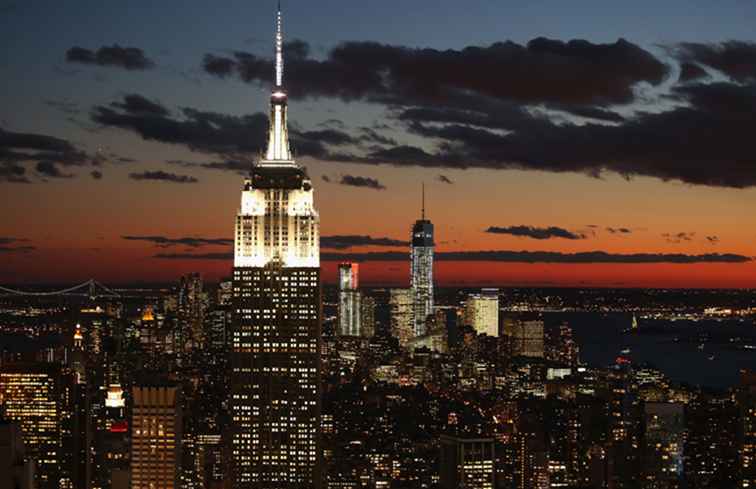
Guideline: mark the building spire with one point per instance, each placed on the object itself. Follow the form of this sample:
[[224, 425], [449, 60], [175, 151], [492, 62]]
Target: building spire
[[279, 49], [423, 200], [278, 152]]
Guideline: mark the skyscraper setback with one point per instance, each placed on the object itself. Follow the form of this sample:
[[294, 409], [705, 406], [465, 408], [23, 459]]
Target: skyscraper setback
[[274, 396], [421, 271]]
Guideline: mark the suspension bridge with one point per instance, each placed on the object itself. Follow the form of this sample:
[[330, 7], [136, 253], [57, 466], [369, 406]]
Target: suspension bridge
[[91, 288]]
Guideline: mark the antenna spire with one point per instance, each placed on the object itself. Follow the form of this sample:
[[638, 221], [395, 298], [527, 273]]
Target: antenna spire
[[279, 48], [423, 200]]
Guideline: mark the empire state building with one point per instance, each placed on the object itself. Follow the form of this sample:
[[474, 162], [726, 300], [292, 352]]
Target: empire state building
[[274, 391]]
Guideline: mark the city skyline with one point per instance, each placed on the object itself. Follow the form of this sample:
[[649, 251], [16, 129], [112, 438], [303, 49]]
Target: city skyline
[[154, 138], [573, 307]]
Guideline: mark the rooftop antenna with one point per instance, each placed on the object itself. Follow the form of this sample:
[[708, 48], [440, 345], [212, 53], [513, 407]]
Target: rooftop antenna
[[423, 200], [279, 48]]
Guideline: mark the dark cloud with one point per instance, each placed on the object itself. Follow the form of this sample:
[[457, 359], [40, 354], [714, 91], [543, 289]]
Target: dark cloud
[[592, 112], [347, 241], [198, 130], [192, 242], [619, 230], [50, 169], [712, 239], [236, 166], [536, 232], [691, 71], [160, 175], [96, 174], [707, 142], [445, 179], [736, 59], [45, 152], [12, 173], [370, 135], [210, 132], [678, 237], [546, 257], [334, 123], [195, 256], [136, 104], [329, 136], [543, 71], [358, 181], [16, 249], [7, 240], [129, 58], [404, 155]]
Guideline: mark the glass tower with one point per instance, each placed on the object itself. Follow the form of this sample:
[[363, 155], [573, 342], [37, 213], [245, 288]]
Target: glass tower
[[421, 272]]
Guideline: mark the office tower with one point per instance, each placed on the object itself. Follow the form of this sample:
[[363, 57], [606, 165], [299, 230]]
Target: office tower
[[466, 462], [191, 307], [218, 322], [111, 440], [561, 347], [525, 335], [16, 472], [225, 292], [664, 435], [33, 396], [746, 401], [274, 397], [711, 441], [421, 271], [155, 437], [482, 312], [402, 317], [367, 316], [531, 471], [349, 300]]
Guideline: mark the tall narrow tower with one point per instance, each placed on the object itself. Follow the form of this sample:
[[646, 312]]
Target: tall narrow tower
[[421, 273], [274, 396]]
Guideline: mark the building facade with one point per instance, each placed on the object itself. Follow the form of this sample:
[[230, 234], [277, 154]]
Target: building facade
[[274, 388], [402, 315], [466, 462], [421, 271], [156, 437], [33, 395], [349, 300], [16, 471], [526, 335], [482, 312]]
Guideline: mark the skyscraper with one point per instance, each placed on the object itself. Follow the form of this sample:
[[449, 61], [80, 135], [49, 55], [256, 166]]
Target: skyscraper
[[421, 272], [664, 437], [349, 300], [525, 335], [400, 304], [156, 437], [466, 462], [274, 397], [482, 312], [367, 316], [15, 472], [33, 396], [191, 308]]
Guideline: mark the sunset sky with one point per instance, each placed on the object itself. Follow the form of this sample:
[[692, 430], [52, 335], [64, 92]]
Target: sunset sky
[[619, 138]]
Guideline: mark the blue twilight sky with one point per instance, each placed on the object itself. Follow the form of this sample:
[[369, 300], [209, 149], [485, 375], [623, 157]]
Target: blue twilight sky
[[667, 203], [176, 35]]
